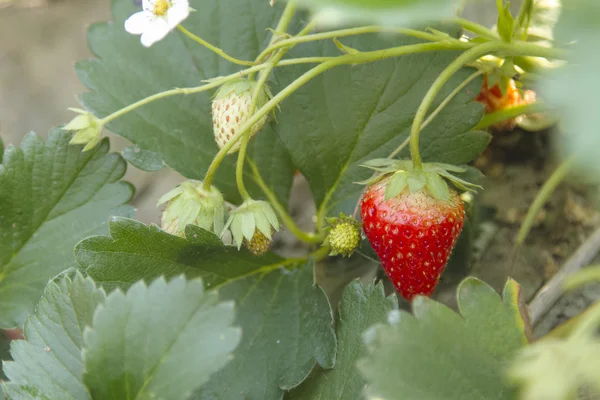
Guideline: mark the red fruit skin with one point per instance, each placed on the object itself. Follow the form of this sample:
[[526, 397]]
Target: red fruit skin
[[413, 234]]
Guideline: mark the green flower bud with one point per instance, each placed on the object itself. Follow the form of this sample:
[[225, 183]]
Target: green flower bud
[[190, 204], [252, 224], [87, 129]]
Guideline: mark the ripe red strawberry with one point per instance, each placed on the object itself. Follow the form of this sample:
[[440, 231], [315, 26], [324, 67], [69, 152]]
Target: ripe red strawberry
[[414, 231]]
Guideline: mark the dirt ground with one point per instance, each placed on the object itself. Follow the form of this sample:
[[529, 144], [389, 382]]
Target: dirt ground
[[40, 45]]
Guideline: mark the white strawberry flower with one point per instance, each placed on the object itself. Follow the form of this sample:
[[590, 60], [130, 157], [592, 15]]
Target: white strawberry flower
[[157, 19]]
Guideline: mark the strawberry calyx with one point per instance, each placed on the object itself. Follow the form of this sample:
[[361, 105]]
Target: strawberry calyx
[[190, 204], [252, 223], [432, 177]]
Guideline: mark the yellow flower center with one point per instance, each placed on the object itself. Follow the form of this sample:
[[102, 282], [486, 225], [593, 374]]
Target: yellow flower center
[[161, 7]]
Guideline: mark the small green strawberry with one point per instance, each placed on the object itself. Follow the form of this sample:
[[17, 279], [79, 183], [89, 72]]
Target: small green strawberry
[[231, 109], [189, 203], [87, 128], [343, 236], [252, 224], [412, 220]]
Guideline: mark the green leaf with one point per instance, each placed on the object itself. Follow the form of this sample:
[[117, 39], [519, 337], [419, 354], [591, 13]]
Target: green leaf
[[361, 307], [353, 114], [396, 185], [143, 159], [1, 149], [126, 257], [506, 23], [164, 331], [573, 87], [48, 364], [381, 12], [438, 353], [51, 196], [180, 128], [288, 326], [273, 303]]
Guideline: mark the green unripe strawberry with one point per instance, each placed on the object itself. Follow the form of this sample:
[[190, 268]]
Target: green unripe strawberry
[[344, 236], [231, 109], [189, 203], [252, 224], [259, 244]]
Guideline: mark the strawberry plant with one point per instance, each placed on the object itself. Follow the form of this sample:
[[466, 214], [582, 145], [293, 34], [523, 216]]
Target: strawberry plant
[[382, 108]]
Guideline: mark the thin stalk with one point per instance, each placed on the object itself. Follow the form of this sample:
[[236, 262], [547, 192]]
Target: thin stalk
[[352, 32], [280, 210], [359, 58], [477, 28], [474, 53], [542, 197], [449, 98], [443, 104], [284, 21], [214, 49], [208, 86]]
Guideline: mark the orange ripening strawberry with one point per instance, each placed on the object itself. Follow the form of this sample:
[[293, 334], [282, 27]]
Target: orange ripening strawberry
[[495, 100], [413, 226]]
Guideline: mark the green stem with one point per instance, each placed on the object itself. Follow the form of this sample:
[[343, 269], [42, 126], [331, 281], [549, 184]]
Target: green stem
[[213, 48], [449, 98], [208, 86], [352, 32], [588, 325], [587, 275], [280, 210], [284, 21], [510, 113], [443, 104], [239, 172], [358, 58], [476, 28], [510, 49], [542, 197]]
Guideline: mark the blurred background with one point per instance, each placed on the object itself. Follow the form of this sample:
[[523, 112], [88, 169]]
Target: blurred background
[[40, 41]]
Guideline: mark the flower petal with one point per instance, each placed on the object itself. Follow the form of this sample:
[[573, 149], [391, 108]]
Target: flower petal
[[157, 30], [148, 5], [138, 23], [177, 13]]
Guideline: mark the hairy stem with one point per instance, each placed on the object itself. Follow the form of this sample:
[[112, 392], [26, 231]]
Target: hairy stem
[[478, 29], [280, 210], [353, 32], [214, 49], [284, 21], [508, 49], [359, 58]]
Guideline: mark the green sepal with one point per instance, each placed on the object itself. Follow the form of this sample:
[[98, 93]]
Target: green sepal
[[190, 204], [401, 174], [506, 23], [251, 216], [416, 181], [437, 186], [396, 185]]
